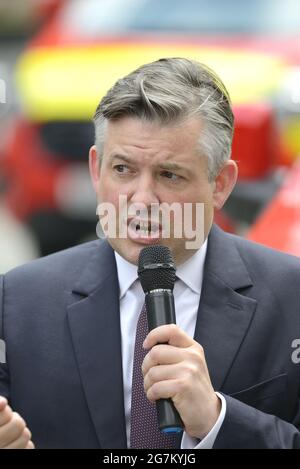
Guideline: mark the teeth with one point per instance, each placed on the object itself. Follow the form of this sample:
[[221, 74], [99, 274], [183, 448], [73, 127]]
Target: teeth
[[146, 227]]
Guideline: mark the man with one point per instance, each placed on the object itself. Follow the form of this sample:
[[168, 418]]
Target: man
[[69, 321]]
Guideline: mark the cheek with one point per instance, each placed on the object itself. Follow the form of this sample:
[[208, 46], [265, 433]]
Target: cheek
[[110, 193], [107, 192], [198, 194]]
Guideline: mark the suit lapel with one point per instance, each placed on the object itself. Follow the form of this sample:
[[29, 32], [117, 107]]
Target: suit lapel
[[95, 328], [224, 314]]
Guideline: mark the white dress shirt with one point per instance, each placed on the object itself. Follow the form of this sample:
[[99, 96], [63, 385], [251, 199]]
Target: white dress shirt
[[187, 292]]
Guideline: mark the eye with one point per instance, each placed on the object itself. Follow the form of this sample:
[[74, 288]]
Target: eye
[[121, 168], [169, 175]]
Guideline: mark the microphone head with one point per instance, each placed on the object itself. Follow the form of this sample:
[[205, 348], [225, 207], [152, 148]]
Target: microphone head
[[156, 268]]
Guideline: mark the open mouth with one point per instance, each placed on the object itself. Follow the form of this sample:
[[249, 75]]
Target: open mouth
[[144, 229]]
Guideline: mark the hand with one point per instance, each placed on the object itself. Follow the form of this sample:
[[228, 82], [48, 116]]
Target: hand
[[176, 368], [13, 431]]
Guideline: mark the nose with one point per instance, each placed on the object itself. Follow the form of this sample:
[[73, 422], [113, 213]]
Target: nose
[[144, 191]]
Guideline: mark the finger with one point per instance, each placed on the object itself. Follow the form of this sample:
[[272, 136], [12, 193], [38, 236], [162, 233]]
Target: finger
[[6, 415], [21, 442], [162, 373], [12, 430], [162, 355], [30, 445], [3, 403], [164, 390], [170, 334]]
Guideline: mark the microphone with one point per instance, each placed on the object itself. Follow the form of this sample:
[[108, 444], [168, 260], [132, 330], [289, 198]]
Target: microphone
[[156, 271]]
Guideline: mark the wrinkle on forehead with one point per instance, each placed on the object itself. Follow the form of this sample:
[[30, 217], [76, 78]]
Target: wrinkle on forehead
[[131, 136]]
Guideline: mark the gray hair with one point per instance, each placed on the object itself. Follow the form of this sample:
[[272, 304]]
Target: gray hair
[[169, 90]]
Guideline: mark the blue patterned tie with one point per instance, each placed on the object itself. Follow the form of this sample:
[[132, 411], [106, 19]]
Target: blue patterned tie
[[144, 431]]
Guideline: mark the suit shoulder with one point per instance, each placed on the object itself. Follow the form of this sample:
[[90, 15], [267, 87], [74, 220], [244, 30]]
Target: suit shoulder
[[271, 263], [59, 266], [263, 252]]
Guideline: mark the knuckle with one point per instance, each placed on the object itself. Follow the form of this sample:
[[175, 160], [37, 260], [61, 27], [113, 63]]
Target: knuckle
[[154, 354], [27, 433], [155, 391], [8, 410], [151, 375], [197, 355], [198, 349], [146, 385], [21, 442], [145, 363], [19, 423], [202, 353], [191, 369]]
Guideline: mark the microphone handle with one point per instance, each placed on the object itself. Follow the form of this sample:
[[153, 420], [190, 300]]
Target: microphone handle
[[161, 310]]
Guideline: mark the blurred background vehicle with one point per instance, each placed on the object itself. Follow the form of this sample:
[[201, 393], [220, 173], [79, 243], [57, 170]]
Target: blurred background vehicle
[[17, 244], [16, 241], [279, 224], [18, 18], [85, 45]]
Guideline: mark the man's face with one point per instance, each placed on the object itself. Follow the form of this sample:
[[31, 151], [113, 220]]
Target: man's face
[[152, 164]]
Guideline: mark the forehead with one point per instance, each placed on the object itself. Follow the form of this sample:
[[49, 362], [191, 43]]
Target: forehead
[[146, 135]]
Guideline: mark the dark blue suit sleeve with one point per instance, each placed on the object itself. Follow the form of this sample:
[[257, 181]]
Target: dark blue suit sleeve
[[4, 376], [248, 428]]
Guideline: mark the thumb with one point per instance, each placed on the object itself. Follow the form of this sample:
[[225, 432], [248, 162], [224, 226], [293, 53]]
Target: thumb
[[3, 403]]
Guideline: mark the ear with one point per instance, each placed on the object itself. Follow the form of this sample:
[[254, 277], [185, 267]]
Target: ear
[[224, 183], [94, 167]]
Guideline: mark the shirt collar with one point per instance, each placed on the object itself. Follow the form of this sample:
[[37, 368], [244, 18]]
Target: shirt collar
[[127, 272], [191, 271]]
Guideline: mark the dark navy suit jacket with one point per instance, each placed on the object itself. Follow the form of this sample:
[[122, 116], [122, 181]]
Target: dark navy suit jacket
[[59, 317]]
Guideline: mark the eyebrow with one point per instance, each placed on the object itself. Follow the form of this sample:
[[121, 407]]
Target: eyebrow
[[120, 157], [171, 166], [167, 165]]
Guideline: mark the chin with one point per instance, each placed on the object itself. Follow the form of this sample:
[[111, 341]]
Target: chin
[[128, 250], [132, 255]]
